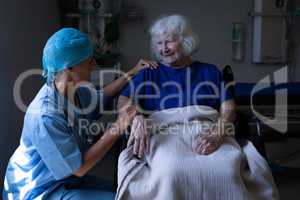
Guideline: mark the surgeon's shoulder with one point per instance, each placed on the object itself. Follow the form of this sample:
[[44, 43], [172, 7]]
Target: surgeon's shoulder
[[36, 116], [44, 101], [44, 107]]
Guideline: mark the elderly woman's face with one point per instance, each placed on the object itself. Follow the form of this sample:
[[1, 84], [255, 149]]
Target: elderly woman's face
[[169, 49]]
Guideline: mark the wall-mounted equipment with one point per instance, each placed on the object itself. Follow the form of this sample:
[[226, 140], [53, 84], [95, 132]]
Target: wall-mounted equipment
[[238, 41], [269, 31], [101, 20]]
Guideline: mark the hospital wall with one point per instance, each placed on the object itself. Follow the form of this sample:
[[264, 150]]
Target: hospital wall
[[212, 20], [24, 28]]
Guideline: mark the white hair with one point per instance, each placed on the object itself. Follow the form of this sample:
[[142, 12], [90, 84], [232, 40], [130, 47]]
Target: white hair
[[175, 24]]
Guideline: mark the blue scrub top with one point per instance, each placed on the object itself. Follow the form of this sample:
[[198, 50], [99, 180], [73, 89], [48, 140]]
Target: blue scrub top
[[168, 87], [51, 144]]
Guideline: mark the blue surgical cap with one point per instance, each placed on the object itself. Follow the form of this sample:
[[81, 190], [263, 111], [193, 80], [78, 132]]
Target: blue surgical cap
[[64, 49]]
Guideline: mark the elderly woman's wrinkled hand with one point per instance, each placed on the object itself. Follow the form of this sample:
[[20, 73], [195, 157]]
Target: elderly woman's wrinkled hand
[[139, 136], [205, 144]]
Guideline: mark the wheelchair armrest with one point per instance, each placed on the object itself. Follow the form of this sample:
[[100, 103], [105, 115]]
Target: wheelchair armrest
[[243, 126]]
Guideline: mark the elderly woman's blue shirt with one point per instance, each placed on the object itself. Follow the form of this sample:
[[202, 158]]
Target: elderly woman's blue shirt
[[169, 87]]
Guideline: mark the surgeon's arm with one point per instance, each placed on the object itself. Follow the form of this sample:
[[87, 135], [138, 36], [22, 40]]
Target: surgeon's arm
[[115, 87], [123, 102], [104, 144]]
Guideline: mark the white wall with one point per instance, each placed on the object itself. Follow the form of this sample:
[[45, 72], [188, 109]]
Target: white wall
[[212, 20], [24, 28]]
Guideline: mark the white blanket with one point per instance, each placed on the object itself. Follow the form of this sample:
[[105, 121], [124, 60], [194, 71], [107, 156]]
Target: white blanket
[[171, 170]]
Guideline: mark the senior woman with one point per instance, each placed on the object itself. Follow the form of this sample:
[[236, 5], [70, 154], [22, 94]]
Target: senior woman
[[180, 81], [185, 159], [55, 153]]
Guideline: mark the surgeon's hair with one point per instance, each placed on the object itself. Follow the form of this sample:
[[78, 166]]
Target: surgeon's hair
[[50, 77], [175, 24]]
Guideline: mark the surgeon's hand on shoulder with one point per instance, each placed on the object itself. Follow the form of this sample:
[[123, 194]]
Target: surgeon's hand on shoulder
[[139, 136], [143, 64]]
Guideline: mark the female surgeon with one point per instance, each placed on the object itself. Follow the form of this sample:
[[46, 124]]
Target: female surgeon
[[55, 152]]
